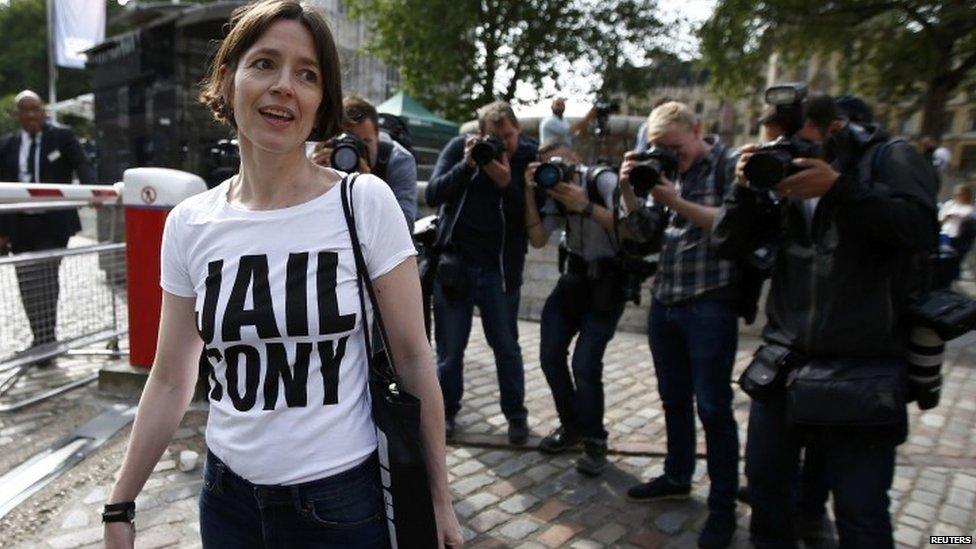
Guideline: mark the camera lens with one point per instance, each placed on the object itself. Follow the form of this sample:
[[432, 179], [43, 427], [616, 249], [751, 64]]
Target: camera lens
[[547, 176], [765, 169], [345, 158], [482, 153], [645, 175]]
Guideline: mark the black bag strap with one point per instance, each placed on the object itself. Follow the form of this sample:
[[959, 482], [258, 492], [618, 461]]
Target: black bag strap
[[362, 279]]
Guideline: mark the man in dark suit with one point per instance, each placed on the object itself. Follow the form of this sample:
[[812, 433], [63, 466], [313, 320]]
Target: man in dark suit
[[40, 153]]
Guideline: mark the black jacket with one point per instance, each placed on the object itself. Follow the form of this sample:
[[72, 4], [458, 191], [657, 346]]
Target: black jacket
[[455, 187], [57, 142], [839, 289]]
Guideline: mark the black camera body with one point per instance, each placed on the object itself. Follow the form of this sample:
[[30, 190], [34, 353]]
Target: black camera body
[[651, 165], [604, 107], [487, 149], [555, 171], [347, 149], [773, 161]]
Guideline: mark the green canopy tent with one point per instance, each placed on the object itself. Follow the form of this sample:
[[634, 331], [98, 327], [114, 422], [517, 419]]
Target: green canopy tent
[[429, 132]]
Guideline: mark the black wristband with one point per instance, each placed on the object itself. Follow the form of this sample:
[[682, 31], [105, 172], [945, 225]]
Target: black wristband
[[119, 512]]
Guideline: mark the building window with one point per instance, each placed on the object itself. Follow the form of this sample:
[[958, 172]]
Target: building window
[[699, 107], [971, 123]]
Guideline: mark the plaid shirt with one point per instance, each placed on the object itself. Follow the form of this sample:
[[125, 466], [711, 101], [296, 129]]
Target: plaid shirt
[[688, 266]]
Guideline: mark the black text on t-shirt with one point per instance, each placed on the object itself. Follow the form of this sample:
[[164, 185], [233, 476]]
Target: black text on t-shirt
[[243, 361]]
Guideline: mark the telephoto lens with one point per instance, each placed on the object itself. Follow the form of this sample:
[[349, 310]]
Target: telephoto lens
[[651, 164], [556, 171], [347, 149], [487, 149]]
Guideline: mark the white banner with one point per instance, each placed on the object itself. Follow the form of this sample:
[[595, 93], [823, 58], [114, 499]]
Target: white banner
[[78, 25]]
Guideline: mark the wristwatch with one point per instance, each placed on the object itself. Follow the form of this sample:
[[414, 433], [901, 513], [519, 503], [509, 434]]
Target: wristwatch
[[119, 512], [588, 209]]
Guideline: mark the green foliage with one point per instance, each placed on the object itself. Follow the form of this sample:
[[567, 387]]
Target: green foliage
[[912, 50], [23, 57], [8, 119], [454, 55]]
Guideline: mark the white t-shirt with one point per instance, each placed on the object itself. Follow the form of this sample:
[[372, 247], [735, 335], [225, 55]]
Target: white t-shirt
[[951, 215], [277, 306]]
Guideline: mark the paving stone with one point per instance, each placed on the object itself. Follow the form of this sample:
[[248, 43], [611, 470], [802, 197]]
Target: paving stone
[[77, 538], [558, 534], [76, 519], [475, 504], [647, 539], [908, 536], [518, 503], [550, 510], [470, 484], [487, 520], [920, 510], [154, 538], [671, 522], [98, 495], [519, 528], [956, 516]]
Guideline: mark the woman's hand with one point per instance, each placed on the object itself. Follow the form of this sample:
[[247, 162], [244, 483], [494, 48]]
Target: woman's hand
[[448, 527], [119, 535]]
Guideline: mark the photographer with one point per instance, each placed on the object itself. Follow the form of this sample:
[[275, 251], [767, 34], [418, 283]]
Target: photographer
[[850, 226], [693, 328], [477, 185], [377, 154], [554, 128], [588, 299]]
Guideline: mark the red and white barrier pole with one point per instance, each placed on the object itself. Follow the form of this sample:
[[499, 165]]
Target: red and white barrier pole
[[148, 196], [43, 192]]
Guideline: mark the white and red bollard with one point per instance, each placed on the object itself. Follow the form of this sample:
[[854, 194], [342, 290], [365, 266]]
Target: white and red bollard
[[148, 196]]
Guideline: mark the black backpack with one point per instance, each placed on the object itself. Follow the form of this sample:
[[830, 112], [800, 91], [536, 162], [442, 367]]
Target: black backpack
[[397, 129]]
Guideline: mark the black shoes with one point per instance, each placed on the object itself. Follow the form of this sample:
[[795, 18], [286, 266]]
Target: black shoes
[[594, 458], [658, 489], [559, 441], [718, 530], [518, 431]]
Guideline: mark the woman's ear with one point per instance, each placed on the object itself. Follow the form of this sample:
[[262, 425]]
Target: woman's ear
[[227, 91]]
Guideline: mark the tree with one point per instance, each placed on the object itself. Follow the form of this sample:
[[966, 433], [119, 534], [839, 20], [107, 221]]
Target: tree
[[23, 58], [486, 48], [917, 51]]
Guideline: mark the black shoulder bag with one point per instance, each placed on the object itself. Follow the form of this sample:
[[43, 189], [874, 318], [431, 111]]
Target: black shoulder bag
[[396, 413]]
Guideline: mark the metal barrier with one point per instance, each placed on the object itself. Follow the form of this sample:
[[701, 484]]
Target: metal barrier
[[56, 302]]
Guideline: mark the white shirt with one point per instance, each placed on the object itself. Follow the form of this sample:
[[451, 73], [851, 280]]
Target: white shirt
[[278, 309], [941, 158], [555, 126], [951, 215], [22, 168]]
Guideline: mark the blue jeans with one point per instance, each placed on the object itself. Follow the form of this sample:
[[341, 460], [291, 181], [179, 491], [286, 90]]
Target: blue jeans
[[344, 510], [693, 345], [858, 472], [579, 400], [499, 318]]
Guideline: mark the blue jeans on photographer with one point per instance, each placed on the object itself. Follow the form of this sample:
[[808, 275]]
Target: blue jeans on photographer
[[858, 470], [693, 345], [579, 399], [499, 318], [341, 511]]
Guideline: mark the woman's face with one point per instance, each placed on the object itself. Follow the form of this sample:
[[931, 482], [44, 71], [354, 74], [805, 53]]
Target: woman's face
[[277, 88]]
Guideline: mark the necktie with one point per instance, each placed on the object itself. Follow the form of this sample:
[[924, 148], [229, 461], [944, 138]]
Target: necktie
[[31, 157]]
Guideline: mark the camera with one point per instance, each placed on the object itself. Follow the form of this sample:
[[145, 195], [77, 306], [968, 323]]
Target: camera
[[487, 149], [556, 171], [347, 149], [604, 107], [773, 161], [651, 165]]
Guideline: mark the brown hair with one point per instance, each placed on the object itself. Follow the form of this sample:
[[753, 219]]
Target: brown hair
[[247, 24], [355, 109], [493, 113]]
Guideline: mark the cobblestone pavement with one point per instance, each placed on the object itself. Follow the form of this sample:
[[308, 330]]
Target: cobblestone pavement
[[506, 497]]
